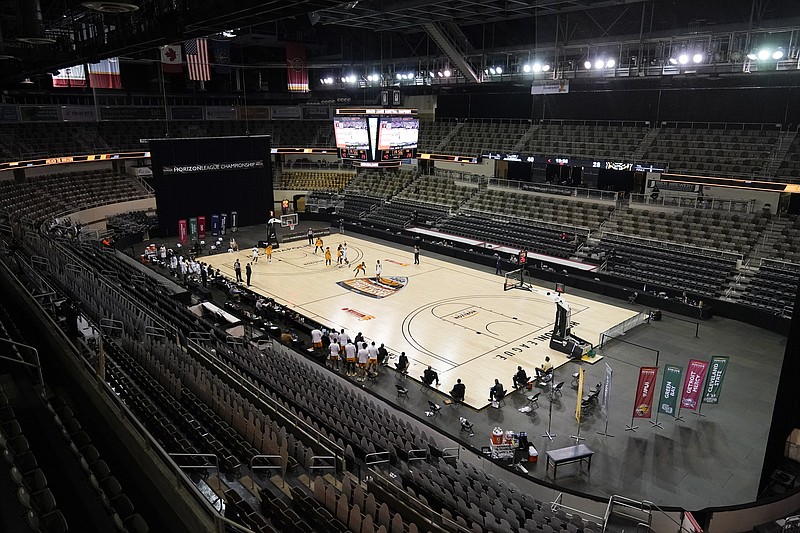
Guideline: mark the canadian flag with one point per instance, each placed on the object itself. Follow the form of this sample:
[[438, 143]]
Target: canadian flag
[[171, 59]]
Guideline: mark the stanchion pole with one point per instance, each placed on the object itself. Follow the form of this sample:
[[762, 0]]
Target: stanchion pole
[[656, 424], [550, 416], [631, 427], [605, 432]]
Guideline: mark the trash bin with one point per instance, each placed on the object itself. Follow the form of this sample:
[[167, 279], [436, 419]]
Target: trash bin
[[533, 454]]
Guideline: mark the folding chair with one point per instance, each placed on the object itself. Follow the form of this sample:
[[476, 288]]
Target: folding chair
[[435, 409], [401, 391]]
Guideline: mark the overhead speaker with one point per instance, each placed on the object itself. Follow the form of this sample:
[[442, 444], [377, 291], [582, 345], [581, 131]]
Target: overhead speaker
[[110, 7]]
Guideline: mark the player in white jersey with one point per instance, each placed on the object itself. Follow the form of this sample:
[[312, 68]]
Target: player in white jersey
[[362, 356], [372, 360], [333, 358], [316, 338], [350, 358]]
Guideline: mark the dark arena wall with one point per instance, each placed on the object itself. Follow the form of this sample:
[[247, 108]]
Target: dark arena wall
[[207, 176]]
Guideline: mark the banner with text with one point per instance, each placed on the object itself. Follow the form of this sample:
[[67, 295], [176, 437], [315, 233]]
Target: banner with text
[[716, 373], [78, 113], [643, 406], [220, 113], [668, 400], [693, 386], [605, 398], [285, 112], [550, 87]]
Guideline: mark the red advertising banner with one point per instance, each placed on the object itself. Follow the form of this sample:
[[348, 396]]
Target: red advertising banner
[[643, 406], [693, 385], [201, 227], [183, 230]]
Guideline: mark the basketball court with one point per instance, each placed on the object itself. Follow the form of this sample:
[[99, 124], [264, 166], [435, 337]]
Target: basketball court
[[456, 319]]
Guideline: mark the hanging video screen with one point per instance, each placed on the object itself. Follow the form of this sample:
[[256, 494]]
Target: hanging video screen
[[352, 137], [398, 137]]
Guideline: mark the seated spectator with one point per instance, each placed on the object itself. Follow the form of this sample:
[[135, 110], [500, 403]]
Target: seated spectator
[[497, 391], [429, 376], [402, 362], [520, 378], [545, 372], [458, 391]]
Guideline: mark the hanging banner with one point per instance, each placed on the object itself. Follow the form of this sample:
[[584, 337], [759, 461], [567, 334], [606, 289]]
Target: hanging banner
[[193, 228], [297, 72], [550, 87], [643, 406], [182, 231], [580, 395], [668, 399], [605, 398], [695, 377], [716, 373], [105, 74], [171, 59], [70, 77], [201, 227]]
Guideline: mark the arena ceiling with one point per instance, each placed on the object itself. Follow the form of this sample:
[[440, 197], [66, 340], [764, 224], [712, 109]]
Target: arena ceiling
[[71, 31]]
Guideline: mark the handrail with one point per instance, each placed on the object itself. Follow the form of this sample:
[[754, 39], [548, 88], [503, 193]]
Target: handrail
[[446, 455], [253, 467], [675, 247], [417, 455], [37, 366], [555, 190]]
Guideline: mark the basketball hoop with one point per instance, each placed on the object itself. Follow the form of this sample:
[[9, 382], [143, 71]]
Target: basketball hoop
[[291, 226]]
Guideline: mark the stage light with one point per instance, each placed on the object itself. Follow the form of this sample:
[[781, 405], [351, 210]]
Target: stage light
[[683, 59], [440, 74], [322, 81], [499, 70], [697, 58], [599, 64], [763, 54], [411, 75], [447, 73], [545, 67], [399, 76], [537, 67], [526, 68], [492, 71], [752, 56], [777, 54], [351, 78], [344, 80], [673, 61], [431, 74], [328, 80], [376, 77], [587, 64], [610, 63]]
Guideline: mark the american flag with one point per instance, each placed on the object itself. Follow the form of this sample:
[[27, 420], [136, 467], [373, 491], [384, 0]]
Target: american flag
[[196, 51]]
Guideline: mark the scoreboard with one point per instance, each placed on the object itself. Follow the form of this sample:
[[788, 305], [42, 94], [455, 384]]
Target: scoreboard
[[376, 135]]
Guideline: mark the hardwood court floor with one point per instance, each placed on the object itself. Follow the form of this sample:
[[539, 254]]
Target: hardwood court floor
[[456, 319]]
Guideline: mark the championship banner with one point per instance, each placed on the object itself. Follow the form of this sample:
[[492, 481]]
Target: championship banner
[[716, 373], [70, 77], [643, 406], [296, 68], [193, 228], [695, 377], [668, 400], [580, 395], [223, 223], [201, 227], [182, 230], [214, 225], [605, 398]]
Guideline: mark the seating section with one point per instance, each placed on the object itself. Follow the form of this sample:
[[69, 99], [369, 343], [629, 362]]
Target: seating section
[[132, 223], [785, 245], [475, 138], [725, 152], [773, 288], [44, 197], [57, 475], [315, 181], [613, 142], [398, 214], [513, 233], [384, 184], [789, 168], [437, 190], [357, 205], [546, 208], [722, 230], [653, 264], [431, 134]]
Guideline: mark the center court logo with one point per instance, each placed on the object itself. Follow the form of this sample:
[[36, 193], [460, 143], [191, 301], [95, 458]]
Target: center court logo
[[385, 286]]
